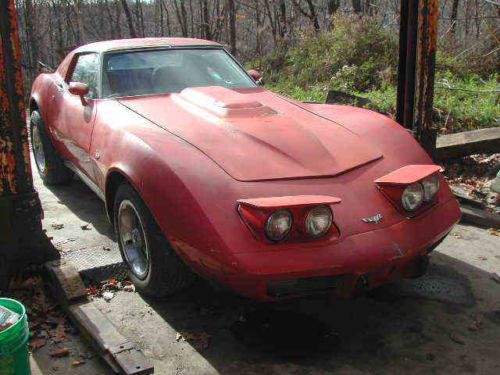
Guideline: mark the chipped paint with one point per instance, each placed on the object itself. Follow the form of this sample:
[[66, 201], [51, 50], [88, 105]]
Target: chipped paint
[[15, 170]]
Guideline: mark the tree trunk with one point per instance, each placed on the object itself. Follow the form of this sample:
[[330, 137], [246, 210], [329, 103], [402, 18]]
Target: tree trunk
[[272, 21], [453, 18], [333, 6], [282, 19], [205, 23], [140, 17], [128, 16], [232, 26], [180, 12], [313, 15], [167, 13], [357, 7]]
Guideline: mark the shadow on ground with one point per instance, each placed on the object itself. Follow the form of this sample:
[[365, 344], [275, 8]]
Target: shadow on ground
[[448, 321], [420, 324], [86, 205]]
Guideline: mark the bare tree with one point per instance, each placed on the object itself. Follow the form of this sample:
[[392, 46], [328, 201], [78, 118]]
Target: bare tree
[[312, 15], [130, 21], [453, 17], [232, 26], [180, 11]]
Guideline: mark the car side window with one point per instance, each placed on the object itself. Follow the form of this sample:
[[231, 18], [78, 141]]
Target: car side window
[[86, 71]]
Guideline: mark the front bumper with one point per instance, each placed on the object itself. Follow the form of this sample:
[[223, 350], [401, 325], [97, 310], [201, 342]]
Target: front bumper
[[364, 260]]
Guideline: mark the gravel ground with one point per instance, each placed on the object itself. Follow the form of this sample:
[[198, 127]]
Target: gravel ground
[[446, 322]]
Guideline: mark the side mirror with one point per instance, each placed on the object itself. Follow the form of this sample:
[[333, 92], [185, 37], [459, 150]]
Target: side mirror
[[80, 89], [44, 68], [255, 74]]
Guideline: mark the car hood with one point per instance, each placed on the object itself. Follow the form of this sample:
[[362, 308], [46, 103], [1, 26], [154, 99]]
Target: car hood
[[254, 134]]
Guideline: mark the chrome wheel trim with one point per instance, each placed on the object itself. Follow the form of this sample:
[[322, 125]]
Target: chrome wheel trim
[[38, 152], [133, 239]]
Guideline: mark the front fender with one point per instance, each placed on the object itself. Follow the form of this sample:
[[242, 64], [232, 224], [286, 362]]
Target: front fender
[[173, 179]]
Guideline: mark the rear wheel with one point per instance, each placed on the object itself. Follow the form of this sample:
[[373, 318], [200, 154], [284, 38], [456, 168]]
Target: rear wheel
[[154, 267], [50, 166]]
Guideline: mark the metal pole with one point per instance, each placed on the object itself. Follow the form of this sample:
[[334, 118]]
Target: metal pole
[[20, 209], [427, 44], [403, 35], [417, 56], [407, 63]]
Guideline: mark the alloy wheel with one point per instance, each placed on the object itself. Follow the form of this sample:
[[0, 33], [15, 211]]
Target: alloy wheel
[[133, 239]]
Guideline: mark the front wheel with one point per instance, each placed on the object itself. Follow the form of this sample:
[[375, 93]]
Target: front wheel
[[50, 166], [154, 267]]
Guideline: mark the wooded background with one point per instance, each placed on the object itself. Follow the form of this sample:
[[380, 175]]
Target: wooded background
[[250, 28]]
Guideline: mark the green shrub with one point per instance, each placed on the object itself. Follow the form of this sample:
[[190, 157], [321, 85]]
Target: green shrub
[[360, 57], [355, 55]]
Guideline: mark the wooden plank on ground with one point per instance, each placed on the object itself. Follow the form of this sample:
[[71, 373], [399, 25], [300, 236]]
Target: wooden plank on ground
[[482, 141], [69, 284], [122, 355], [479, 217]]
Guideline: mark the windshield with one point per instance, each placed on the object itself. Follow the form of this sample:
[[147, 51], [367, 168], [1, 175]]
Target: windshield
[[167, 71]]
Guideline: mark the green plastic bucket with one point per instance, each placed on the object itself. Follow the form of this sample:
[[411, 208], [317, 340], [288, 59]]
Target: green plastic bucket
[[14, 357]]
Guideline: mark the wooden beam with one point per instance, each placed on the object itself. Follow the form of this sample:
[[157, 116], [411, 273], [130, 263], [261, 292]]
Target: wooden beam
[[482, 141], [479, 217], [122, 355]]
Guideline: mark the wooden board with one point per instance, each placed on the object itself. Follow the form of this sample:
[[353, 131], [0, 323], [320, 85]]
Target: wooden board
[[482, 141], [122, 355], [479, 217]]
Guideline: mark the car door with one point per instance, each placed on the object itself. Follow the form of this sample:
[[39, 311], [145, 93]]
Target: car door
[[78, 114]]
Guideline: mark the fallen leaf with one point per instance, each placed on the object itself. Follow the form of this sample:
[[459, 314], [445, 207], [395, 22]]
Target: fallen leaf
[[58, 353], [57, 226], [108, 296], [37, 344], [77, 363], [86, 227], [129, 288], [475, 325], [494, 232], [200, 341], [456, 338]]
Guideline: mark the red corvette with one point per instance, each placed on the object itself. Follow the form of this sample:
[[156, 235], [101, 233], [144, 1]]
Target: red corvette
[[203, 170]]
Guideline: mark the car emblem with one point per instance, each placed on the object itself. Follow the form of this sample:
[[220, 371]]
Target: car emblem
[[373, 219]]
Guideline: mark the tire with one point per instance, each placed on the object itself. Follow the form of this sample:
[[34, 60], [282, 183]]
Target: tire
[[164, 273], [51, 169]]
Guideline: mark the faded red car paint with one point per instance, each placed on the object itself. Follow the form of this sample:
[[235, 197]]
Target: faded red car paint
[[194, 156]]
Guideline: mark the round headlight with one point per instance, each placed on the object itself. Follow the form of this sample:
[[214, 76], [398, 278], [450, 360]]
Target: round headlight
[[278, 225], [431, 186], [413, 197], [319, 221]]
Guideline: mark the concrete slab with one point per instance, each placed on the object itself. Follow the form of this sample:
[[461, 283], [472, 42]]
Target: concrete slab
[[448, 322]]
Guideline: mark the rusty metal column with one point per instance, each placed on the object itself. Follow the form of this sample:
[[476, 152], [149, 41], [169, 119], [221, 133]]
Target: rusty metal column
[[20, 209], [427, 44], [407, 62], [417, 55]]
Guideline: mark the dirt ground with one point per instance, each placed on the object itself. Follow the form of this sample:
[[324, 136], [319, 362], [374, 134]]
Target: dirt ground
[[446, 322]]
